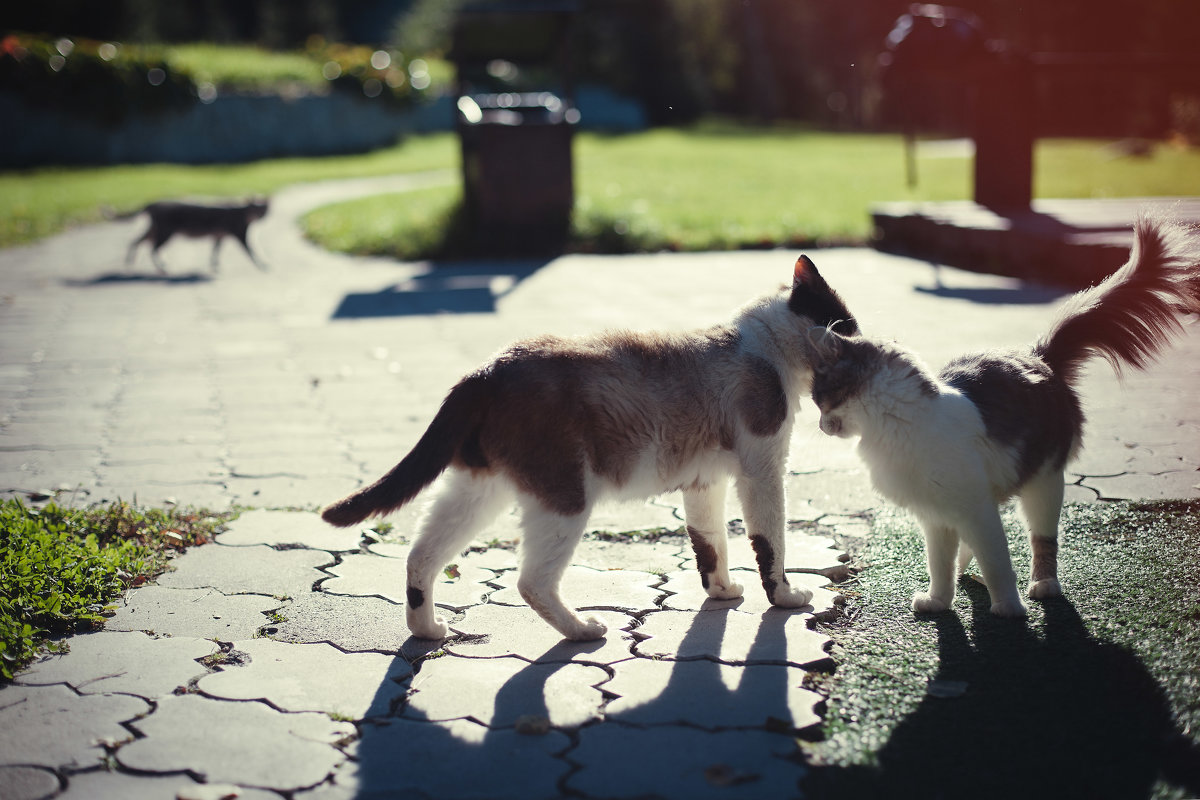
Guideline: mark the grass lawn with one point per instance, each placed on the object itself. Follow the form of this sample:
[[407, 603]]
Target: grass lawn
[[1096, 695], [39, 202], [712, 186], [720, 186]]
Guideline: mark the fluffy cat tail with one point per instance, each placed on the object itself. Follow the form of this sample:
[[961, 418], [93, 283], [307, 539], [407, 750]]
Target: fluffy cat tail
[[1132, 315], [458, 418]]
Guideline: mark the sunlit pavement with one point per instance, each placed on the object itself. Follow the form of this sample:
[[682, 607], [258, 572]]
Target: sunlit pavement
[[277, 660]]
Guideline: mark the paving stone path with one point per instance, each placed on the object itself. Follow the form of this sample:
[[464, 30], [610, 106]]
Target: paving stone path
[[275, 662]]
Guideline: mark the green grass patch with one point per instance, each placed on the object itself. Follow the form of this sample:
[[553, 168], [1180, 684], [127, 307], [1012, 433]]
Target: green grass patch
[[60, 567], [407, 226], [722, 187], [40, 202], [1095, 695], [243, 67]]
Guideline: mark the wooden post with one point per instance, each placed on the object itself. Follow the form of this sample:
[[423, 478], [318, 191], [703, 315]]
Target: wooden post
[[1003, 128]]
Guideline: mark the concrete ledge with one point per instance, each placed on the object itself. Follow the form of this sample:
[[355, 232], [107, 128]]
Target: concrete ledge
[[1071, 243]]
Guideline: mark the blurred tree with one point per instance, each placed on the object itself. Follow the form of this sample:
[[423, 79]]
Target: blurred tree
[[424, 28], [796, 59]]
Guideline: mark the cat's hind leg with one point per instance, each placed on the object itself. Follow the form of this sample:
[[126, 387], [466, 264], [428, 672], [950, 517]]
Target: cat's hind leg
[[133, 246], [158, 239], [704, 510], [941, 546], [1041, 502], [550, 541], [469, 501], [964, 557]]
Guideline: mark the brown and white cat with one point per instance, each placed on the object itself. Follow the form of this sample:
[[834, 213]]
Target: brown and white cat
[[196, 221], [558, 424], [999, 424]]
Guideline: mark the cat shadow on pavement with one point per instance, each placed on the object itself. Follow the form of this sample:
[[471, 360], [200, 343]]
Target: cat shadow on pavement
[[409, 755], [117, 278], [1014, 713], [1018, 293]]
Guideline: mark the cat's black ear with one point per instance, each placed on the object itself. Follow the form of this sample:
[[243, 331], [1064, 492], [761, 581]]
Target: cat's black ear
[[805, 273], [826, 346]]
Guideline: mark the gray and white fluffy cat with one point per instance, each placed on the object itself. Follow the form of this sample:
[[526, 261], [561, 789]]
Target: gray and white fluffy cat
[[558, 424], [1000, 424]]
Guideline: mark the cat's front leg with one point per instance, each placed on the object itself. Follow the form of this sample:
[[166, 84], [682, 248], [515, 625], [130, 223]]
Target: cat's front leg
[[704, 510], [762, 502], [941, 546], [984, 534]]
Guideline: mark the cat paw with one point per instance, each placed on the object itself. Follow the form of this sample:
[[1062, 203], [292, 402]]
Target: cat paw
[[429, 629], [731, 592], [791, 597], [925, 603], [1012, 609], [1045, 589], [586, 630]]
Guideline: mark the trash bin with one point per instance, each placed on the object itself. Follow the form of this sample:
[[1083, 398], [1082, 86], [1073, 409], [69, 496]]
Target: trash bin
[[515, 118], [518, 187]]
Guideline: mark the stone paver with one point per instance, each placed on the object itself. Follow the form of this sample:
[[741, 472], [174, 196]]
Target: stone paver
[[243, 743], [28, 783], [201, 613], [353, 624], [256, 569], [687, 593], [459, 759], [276, 528], [310, 677], [584, 588], [109, 662], [518, 631], [264, 389], [777, 636], [497, 692], [658, 557], [93, 785], [802, 551], [669, 692], [368, 576], [51, 726], [698, 764]]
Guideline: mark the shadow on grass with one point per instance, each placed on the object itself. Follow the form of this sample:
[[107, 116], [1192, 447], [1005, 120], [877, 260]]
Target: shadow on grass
[[1066, 715], [1074, 702]]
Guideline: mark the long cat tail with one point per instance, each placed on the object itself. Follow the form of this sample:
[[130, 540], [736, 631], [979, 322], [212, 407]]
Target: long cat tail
[[458, 417], [1132, 315]]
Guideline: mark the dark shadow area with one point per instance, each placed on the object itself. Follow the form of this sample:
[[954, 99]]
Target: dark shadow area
[[469, 288], [406, 756], [1074, 247], [1025, 294], [1064, 715], [113, 278]]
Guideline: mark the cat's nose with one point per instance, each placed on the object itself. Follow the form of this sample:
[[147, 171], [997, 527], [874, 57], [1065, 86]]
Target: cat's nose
[[830, 426]]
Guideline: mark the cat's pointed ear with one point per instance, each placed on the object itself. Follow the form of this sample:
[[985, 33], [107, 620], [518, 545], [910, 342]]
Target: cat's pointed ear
[[805, 273], [826, 345]]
